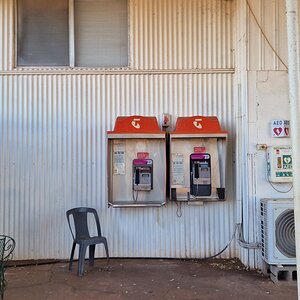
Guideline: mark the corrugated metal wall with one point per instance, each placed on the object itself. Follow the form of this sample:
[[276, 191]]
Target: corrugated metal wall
[[266, 23], [53, 133], [53, 153], [182, 34]]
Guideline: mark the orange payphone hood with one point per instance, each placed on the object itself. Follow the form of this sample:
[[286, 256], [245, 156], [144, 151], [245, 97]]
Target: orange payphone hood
[[198, 125], [136, 125]]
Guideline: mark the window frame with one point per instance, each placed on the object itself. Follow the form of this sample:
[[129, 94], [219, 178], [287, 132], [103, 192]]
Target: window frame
[[71, 65]]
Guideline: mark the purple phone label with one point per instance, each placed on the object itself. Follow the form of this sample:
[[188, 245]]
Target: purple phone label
[[200, 156], [142, 161]]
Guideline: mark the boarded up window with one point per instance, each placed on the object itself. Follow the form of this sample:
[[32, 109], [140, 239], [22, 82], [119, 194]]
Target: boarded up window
[[101, 33], [43, 33]]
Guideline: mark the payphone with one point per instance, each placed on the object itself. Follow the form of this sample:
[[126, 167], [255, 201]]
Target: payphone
[[198, 160], [134, 146], [200, 174], [142, 174]]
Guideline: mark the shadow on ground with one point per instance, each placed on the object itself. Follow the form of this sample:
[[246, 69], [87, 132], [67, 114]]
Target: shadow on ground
[[144, 279]]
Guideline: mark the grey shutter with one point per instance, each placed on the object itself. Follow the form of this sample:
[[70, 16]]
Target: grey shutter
[[43, 33], [101, 33]]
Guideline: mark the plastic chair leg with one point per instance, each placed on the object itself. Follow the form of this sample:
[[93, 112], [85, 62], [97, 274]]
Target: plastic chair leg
[[106, 250], [72, 256], [91, 254], [82, 250]]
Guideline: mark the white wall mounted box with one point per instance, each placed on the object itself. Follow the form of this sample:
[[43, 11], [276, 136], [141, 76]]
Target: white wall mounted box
[[280, 164]]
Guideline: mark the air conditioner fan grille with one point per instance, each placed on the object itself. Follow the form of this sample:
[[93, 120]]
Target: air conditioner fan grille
[[285, 233]]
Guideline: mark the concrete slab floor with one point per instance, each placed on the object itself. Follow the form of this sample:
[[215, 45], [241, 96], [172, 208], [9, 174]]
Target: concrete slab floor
[[144, 279]]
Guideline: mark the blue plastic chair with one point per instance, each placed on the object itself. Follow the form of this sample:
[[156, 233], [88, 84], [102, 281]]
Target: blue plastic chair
[[82, 236]]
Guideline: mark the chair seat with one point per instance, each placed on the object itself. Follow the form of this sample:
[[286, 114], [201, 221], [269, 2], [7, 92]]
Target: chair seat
[[90, 241]]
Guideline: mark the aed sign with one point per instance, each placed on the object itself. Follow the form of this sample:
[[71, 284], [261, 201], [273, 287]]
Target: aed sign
[[280, 128]]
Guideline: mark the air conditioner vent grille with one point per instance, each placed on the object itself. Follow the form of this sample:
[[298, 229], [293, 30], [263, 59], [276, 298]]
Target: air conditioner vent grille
[[264, 230], [285, 233], [278, 231]]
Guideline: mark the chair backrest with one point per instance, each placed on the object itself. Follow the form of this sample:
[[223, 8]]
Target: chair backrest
[[7, 246], [80, 217]]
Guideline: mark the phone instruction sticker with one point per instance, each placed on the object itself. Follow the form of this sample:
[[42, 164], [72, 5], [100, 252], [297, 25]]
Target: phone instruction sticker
[[177, 167], [119, 159]]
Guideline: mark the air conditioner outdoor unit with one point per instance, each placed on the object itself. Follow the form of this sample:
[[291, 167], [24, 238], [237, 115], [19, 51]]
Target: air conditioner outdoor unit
[[278, 231]]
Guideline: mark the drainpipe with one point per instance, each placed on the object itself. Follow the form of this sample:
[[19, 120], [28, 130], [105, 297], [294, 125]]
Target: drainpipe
[[294, 83]]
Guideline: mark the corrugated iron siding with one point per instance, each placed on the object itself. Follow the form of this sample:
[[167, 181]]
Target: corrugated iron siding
[[271, 19], [182, 34], [53, 157], [53, 134]]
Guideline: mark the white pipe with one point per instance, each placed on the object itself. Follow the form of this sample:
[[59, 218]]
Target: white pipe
[[294, 81]]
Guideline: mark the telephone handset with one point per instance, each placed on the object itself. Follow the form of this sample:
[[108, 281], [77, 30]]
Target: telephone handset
[[142, 175], [137, 176], [200, 174]]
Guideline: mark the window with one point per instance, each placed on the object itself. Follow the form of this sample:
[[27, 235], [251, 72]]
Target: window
[[43, 37], [80, 33]]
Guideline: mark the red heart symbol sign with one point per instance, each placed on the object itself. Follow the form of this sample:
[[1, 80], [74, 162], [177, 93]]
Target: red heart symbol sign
[[277, 130]]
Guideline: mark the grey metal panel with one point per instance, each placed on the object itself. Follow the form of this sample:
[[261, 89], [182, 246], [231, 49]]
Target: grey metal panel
[[53, 157], [101, 33], [164, 34], [167, 34], [53, 134]]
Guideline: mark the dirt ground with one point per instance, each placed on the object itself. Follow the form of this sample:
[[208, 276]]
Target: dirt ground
[[144, 279]]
